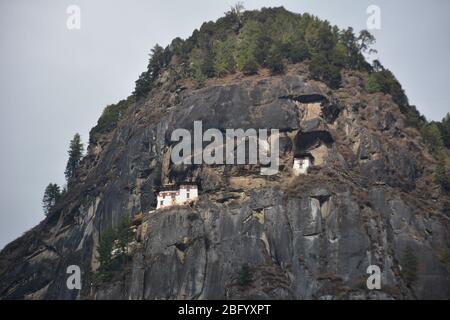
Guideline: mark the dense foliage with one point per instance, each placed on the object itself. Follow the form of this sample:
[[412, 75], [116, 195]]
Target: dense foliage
[[104, 251], [246, 41], [435, 136], [444, 128], [159, 59], [110, 117], [383, 80], [269, 38], [245, 276], [113, 248]]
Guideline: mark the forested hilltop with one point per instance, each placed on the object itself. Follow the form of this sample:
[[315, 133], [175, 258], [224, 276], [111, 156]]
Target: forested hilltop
[[272, 38]]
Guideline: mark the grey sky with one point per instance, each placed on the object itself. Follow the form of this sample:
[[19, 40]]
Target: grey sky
[[55, 82]]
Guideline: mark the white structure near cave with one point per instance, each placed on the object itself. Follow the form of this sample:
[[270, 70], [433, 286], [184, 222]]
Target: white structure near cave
[[301, 165], [185, 194]]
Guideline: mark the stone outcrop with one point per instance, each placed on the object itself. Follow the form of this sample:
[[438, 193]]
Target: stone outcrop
[[307, 237]]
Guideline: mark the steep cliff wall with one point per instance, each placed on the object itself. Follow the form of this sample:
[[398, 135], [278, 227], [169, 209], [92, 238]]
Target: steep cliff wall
[[369, 196]]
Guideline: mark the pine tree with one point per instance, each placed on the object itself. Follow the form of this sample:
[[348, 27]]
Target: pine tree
[[51, 195], [444, 127], [275, 60], [296, 51], [159, 58], [245, 277], [104, 250], [157, 62], [364, 42], [124, 234], [249, 50], [248, 65], [199, 64], [432, 138], [324, 66], [224, 60], [322, 70], [441, 175], [237, 9], [75, 155], [198, 76], [409, 266], [114, 239]]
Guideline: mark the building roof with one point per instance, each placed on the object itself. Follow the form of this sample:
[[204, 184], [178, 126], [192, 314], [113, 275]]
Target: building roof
[[188, 186], [303, 156], [165, 193]]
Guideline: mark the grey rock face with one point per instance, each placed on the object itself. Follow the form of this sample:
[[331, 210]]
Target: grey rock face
[[297, 248], [306, 237]]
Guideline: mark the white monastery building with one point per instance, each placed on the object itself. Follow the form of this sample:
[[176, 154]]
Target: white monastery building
[[186, 193], [301, 165]]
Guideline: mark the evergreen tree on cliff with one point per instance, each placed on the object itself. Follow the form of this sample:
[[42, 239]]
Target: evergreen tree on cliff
[[51, 196], [75, 155]]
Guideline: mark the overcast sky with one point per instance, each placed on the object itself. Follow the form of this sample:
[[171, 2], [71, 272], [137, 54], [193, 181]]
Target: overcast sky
[[55, 82]]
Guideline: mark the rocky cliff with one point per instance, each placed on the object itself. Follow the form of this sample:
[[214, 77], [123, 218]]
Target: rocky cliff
[[368, 197]]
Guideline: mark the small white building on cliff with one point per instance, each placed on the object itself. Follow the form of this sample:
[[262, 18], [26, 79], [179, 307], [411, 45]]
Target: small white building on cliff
[[301, 165], [185, 194]]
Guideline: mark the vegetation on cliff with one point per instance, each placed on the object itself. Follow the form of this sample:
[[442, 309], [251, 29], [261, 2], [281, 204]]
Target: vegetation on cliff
[[269, 38], [109, 118], [51, 196], [246, 41], [272, 38], [75, 155], [409, 266], [113, 248]]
